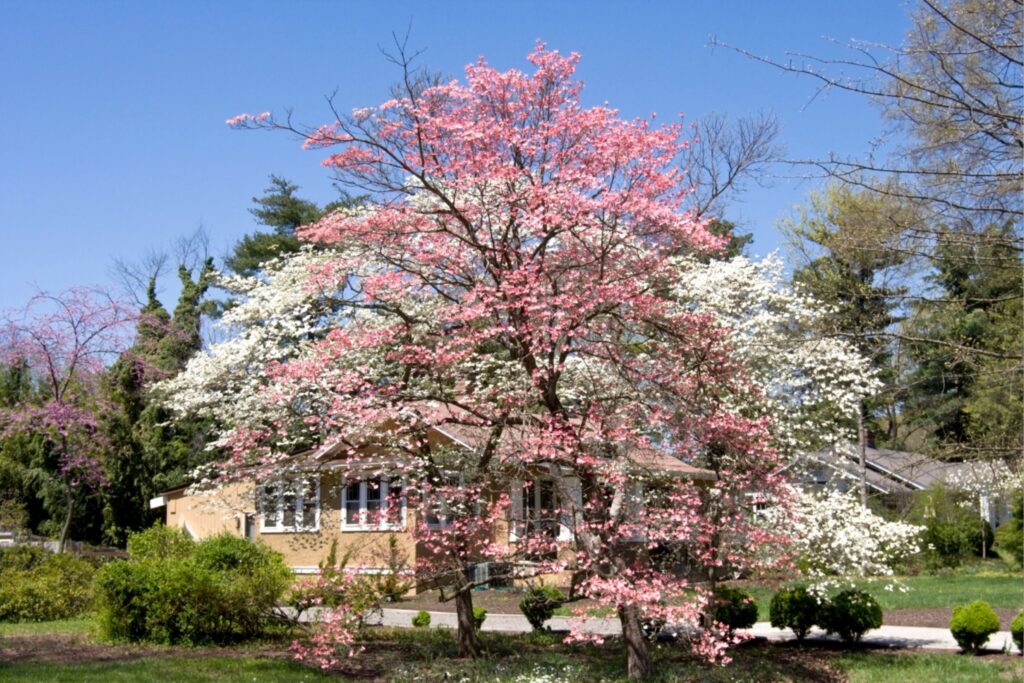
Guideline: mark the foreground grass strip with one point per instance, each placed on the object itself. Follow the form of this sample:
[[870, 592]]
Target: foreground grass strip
[[876, 667], [83, 625], [162, 670]]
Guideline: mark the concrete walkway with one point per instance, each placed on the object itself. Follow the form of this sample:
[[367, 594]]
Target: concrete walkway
[[906, 637]]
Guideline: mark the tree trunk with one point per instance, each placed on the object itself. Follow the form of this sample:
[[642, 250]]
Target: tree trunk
[[66, 528], [469, 641], [862, 442], [638, 659]]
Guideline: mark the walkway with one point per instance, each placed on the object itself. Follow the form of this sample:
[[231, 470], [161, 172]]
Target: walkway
[[907, 637]]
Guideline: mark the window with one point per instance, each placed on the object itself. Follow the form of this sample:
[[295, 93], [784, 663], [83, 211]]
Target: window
[[435, 509], [536, 508], [290, 506], [373, 503]]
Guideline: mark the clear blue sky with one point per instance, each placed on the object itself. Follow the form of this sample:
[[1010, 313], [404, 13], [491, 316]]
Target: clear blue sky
[[113, 140]]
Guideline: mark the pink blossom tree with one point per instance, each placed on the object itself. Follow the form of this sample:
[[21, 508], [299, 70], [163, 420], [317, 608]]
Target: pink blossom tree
[[65, 340], [514, 279]]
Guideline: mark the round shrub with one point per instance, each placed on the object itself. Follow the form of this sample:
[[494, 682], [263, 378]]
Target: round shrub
[[219, 590], [972, 624], [539, 604], [795, 608], [734, 608], [851, 614], [422, 619], [37, 585], [1017, 631], [479, 615]]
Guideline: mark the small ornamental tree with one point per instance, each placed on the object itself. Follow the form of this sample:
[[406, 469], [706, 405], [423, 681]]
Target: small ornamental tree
[[517, 278], [64, 340]]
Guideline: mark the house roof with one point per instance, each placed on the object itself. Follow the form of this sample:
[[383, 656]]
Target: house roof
[[474, 438], [889, 471]]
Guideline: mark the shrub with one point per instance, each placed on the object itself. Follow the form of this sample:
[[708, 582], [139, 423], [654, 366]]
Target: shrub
[[422, 619], [851, 614], [1010, 534], [734, 608], [953, 531], [539, 604], [160, 542], [479, 615], [797, 609], [972, 624], [1017, 631], [173, 590], [393, 584], [37, 585]]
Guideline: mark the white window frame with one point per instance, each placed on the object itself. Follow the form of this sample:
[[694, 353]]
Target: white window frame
[[364, 524], [443, 522], [565, 523], [296, 528]]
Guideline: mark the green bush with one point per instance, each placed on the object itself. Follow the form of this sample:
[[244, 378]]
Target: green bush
[[972, 624], [174, 590], [479, 615], [37, 585], [851, 614], [160, 542], [1017, 631], [1010, 534], [953, 531], [539, 604], [422, 619], [734, 608], [797, 609]]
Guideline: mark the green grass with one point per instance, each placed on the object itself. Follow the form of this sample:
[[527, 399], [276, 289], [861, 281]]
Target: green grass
[[82, 624], [1001, 590], [875, 667], [226, 669]]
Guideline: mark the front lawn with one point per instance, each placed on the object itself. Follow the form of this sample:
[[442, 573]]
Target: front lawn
[[429, 655]]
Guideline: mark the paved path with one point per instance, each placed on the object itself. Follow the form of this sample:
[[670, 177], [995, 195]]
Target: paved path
[[909, 637]]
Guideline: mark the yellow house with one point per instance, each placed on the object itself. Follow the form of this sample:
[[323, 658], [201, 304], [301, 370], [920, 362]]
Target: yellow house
[[328, 500]]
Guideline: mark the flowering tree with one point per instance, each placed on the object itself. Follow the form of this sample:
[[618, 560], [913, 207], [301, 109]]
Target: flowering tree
[[65, 340], [834, 536]]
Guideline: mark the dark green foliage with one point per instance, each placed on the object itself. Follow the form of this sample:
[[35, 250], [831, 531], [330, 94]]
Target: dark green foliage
[[734, 608], [1010, 534], [851, 614], [953, 529], [1017, 631], [37, 585], [479, 615], [171, 590], [422, 619], [148, 452], [972, 624], [797, 609], [539, 604]]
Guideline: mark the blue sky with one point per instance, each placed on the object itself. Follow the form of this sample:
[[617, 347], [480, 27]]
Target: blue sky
[[114, 143]]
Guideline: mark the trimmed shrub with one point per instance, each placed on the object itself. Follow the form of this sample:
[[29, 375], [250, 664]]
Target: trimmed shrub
[[539, 604], [173, 590], [972, 624], [797, 609], [422, 619], [479, 615], [734, 608], [1017, 631], [37, 585], [851, 614]]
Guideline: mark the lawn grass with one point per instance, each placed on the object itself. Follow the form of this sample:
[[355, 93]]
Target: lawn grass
[[876, 667], [1000, 590], [79, 625], [163, 670], [429, 655]]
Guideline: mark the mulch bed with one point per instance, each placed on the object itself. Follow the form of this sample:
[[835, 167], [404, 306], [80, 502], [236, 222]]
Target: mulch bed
[[938, 617], [75, 648]]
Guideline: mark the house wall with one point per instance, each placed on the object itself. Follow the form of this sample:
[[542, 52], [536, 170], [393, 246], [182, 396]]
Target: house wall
[[211, 512]]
